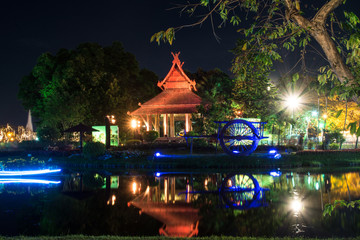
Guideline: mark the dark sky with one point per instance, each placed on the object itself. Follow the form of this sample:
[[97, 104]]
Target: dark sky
[[30, 28]]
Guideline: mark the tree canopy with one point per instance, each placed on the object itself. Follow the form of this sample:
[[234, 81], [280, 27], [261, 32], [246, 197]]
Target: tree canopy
[[301, 26], [83, 86]]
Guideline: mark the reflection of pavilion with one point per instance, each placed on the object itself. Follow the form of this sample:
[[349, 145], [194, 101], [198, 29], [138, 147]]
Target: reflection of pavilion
[[179, 217]]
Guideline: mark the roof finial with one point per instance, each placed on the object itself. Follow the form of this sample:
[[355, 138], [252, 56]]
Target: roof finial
[[176, 59]]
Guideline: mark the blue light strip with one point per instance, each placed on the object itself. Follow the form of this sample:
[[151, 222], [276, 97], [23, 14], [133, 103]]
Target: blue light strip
[[21, 180], [30, 172]]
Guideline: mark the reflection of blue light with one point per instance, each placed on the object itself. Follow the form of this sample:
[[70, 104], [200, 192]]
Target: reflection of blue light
[[30, 172], [236, 152], [272, 151], [157, 174], [277, 156], [275, 174], [157, 154], [22, 180]]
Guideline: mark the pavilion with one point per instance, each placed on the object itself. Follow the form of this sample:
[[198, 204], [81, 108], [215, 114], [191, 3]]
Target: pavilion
[[171, 109]]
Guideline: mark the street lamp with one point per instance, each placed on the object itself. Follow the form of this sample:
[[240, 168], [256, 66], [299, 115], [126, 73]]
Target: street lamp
[[292, 102]]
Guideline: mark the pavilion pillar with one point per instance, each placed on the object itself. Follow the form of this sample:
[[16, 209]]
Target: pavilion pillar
[[172, 189], [157, 125], [172, 125], [148, 121], [187, 122], [166, 190], [165, 124]]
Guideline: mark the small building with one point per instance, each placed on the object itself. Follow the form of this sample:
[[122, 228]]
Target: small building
[[169, 112]]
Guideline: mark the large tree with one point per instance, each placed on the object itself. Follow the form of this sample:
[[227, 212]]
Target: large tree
[[84, 85], [292, 24]]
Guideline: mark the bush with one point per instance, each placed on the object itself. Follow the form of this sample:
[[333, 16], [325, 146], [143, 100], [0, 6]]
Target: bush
[[334, 146], [32, 145], [93, 149], [150, 136], [133, 142], [310, 145]]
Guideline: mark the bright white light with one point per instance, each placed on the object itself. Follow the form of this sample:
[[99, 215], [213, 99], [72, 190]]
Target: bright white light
[[277, 156], [317, 186], [275, 174], [22, 180], [292, 102], [32, 172], [296, 205], [273, 151], [157, 174], [314, 113], [157, 154]]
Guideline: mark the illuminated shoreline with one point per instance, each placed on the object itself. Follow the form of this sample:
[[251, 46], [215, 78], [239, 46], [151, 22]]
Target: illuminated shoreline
[[29, 172]]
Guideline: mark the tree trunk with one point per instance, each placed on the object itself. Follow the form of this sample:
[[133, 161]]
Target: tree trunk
[[316, 28], [344, 128]]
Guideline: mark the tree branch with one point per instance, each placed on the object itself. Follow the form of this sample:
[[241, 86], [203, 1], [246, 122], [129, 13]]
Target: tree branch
[[295, 15], [325, 10]]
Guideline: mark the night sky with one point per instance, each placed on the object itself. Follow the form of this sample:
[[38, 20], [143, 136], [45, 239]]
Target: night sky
[[30, 28]]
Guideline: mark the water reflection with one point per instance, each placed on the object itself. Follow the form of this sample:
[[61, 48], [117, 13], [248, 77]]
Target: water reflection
[[186, 204]]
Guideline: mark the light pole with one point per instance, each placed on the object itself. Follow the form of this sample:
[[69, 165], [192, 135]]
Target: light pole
[[292, 102]]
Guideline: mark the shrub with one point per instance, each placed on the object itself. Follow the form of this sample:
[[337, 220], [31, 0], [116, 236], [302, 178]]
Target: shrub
[[93, 149], [310, 145], [32, 145], [333, 146], [150, 136], [133, 142]]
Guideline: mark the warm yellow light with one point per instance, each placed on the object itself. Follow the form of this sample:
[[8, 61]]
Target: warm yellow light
[[9, 134], [325, 116], [229, 183], [296, 205], [113, 199], [12, 139], [133, 123], [134, 187]]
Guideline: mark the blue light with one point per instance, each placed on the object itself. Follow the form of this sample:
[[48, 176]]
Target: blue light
[[30, 172], [157, 154], [275, 174], [236, 152], [22, 180], [272, 151], [158, 174], [277, 156]]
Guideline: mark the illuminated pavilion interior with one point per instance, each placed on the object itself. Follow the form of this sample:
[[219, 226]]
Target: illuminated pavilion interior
[[173, 106]]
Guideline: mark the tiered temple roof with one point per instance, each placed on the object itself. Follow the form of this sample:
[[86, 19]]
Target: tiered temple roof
[[177, 95]]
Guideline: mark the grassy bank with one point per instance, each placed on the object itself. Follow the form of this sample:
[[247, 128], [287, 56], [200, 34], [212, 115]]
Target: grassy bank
[[139, 160], [208, 162]]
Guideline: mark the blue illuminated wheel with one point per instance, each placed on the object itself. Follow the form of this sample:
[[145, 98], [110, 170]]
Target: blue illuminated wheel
[[240, 191], [239, 138]]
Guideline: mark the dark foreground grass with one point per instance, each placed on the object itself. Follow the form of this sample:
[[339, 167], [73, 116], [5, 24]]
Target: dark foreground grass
[[82, 237]]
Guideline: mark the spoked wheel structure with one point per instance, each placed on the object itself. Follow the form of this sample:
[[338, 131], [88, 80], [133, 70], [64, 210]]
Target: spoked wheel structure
[[239, 138], [240, 191]]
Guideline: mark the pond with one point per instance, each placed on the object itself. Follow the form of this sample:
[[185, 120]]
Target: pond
[[180, 204]]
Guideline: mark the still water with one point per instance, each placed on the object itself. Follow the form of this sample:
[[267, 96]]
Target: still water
[[180, 204]]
